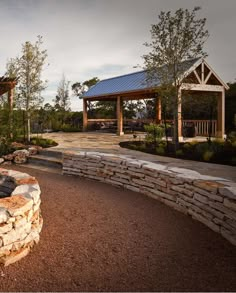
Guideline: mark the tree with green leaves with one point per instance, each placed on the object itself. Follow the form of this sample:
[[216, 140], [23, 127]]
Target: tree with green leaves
[[28, 70], [80, 88], [62, 100], [230, 107], [176, 39]]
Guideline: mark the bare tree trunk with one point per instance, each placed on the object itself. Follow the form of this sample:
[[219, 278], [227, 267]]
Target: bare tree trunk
[[28, 126], [166, 129], [176, 125], [10, 103]]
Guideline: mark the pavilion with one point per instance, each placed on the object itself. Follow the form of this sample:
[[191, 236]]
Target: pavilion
[[7, 85], [198, 76]]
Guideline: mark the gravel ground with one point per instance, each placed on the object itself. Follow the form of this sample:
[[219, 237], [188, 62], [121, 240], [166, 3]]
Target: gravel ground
[[99, 238]]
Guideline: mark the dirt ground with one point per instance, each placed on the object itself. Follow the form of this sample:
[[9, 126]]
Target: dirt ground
[[99, 238]]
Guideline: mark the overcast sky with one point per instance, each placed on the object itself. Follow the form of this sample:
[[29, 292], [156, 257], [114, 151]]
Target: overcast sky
[[104, 38]]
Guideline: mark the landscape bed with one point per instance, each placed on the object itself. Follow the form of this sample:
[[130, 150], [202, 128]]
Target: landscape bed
[[219, 152]]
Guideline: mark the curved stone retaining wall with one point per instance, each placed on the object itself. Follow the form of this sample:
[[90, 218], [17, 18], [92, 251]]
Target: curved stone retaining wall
[[207, 199], [20, 216]]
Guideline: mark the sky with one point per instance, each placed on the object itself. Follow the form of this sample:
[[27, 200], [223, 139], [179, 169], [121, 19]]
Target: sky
[[104, 38]]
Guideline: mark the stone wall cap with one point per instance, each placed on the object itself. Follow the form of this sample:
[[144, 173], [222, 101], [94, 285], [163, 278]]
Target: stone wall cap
[[228, 191]]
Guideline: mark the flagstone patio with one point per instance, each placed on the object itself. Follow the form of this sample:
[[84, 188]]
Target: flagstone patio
[[109, 143]]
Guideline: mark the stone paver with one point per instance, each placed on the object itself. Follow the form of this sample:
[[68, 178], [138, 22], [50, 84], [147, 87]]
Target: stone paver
[[109, 143]]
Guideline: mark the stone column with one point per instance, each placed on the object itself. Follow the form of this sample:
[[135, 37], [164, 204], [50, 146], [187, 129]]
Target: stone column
[[85, 115], [119, 116], [221, 115]]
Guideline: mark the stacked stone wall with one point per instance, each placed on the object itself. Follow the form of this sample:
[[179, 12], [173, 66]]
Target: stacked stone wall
[[20, 217], [210, 200]]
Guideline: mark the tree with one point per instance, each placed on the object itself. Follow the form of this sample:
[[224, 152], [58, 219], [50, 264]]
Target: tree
[[176, 39], [230, 107], [80, 88], [62, 100], [28, 69]]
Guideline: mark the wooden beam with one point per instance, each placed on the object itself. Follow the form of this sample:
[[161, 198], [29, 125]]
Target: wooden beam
[[124, 95], [221, 115], [85, 115], [216, 75], [197, 76], [208, 76], [119, 110], [202, 71], [102, 120], [202, 87], [158, 110]]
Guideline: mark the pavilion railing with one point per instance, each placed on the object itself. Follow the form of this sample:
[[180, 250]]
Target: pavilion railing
[[202, 127]]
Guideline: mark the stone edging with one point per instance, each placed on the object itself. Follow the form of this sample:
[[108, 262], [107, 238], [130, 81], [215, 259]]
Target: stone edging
[[210, 200], [20, 217]]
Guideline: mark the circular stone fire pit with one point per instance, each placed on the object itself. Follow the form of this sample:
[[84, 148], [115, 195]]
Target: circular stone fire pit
[[20, 217]]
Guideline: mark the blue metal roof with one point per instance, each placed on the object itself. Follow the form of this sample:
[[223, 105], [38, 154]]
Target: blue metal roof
[[127, 83]]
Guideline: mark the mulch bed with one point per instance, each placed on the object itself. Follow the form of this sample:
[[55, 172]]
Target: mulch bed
[[99, 238], [225, 154]]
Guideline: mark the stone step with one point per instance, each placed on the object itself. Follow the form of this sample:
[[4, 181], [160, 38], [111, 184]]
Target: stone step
[[43, 168], [45, 161], [51, 153]]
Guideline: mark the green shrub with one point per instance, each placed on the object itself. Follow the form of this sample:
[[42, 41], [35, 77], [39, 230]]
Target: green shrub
[[142, 147], [155, 133], [163, 144], [5, 146], [207, 156], [202, 147], [43, 142], [193, 143], [133, 146], [179, 153], [69, 128], [232, 136], [233, 161], [188, 148], [160, 150]]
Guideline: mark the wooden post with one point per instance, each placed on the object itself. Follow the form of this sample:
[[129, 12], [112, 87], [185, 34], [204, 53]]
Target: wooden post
[[221, 115], [202, 73], [85, 115], [180, 135], [119, 116], [158, 110], [10, 102]]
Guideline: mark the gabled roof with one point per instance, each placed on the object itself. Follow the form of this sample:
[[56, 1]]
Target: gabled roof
[[137, 81], [120, 84], [128, 83]]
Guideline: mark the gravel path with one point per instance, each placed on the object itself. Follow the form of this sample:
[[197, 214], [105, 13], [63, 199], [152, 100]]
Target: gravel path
[[99, 238]]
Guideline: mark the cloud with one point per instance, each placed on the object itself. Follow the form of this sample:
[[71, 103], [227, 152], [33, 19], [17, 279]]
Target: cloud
[[104, 38]]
